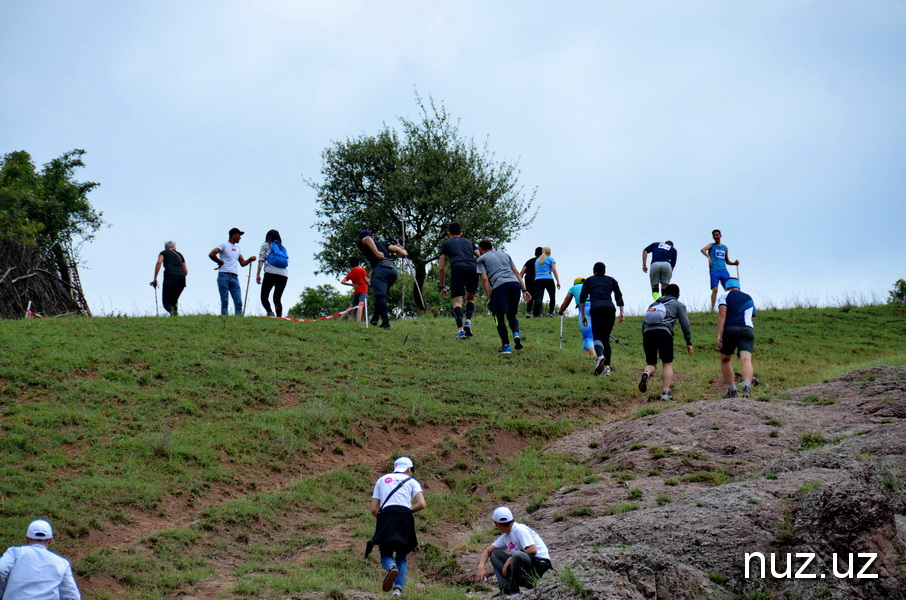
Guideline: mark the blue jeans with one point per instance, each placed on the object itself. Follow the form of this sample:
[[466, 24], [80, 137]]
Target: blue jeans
[[228, 284], [401, 562]]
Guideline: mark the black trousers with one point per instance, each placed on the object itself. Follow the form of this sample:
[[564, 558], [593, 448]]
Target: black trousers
[[602, 320], [278, 284], [542, 285], [170, 295]]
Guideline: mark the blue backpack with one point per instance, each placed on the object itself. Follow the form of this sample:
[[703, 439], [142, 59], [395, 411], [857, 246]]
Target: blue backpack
[[278, 257]]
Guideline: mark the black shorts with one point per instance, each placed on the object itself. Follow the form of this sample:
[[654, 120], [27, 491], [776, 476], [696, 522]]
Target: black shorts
[[463, 280], [737, 339], [657, 342]]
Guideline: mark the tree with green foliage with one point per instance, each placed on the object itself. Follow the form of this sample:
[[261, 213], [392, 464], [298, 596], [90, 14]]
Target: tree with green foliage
[[44, 217], [898, 293], [320, 301], [408, 185]]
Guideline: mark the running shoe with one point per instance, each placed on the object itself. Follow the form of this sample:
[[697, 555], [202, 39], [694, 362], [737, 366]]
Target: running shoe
[[467, 327], [599, 365], [643, 384], [731, 392], [397, 591], [460, 335], [745, 389], [505, 349], [517, 342], [607, 370], [666, 396], [389, 578]]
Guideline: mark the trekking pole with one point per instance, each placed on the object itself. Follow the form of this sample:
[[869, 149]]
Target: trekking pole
[[366, 311], [561, 332], [156, 310], [247, 283], [737, 271], [618, 342]]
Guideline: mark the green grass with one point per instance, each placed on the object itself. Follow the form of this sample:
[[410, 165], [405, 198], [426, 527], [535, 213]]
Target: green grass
[[250, 443]]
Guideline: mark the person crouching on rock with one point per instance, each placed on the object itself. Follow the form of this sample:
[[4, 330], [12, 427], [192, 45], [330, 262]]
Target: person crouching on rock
[[519, 556]]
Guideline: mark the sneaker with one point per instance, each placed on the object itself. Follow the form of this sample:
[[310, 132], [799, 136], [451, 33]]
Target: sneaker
[[389, 578], [505, 349], [460, 335], [731, 392], [517, 342], [385, 325], [643, 384], [467, 327], [528, 315], [666, 396], [745, 389], [599, 365], [607, 370], [397, 592]]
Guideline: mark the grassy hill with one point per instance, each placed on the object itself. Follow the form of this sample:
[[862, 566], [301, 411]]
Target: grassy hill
[[207, 456]]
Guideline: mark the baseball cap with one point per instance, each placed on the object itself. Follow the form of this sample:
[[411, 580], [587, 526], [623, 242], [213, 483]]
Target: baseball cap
[[236, 230], [39, 530], [402, 463], [731, 283], [578, 280], [502, 515]]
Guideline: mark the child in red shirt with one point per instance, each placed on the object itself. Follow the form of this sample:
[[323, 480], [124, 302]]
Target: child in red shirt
[[358, 279]]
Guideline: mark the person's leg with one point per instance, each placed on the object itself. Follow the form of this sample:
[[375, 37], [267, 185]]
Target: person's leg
[[470, 306], [267, 284], [502, 331], [649, 346], [236, 293], [609, 316], [727, 370], [512, 313], [223, 286], [520, 570], [175, 300], [552, 295], [667, 376], [537, 293], [402, 564], [279, 286], [457, 311], [748, 371], [498, 558], [166, 298]]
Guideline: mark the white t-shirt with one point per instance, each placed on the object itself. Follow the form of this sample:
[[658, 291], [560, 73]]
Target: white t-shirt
[[229, 254], [403, 496], [520, 537]]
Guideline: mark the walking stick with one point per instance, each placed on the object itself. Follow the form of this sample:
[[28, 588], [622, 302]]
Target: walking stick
[[247, 283], [737, 270], [618, 342], [561, 332], [156, 309]]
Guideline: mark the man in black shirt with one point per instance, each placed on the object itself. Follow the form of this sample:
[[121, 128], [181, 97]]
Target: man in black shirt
[[528, 276], [461, 253]]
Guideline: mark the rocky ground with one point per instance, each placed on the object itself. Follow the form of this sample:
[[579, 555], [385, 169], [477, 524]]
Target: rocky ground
[[683, 495]]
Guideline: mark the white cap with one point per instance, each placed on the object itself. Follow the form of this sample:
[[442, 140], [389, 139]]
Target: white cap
[[39, 530], [502, 515], [402, 463]]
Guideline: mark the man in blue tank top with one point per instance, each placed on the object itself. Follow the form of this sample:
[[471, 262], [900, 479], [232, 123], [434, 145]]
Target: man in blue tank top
[[718, 259]]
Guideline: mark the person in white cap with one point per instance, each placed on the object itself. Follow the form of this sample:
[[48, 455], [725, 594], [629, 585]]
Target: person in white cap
[[33, 572], [396, 497], [519, 556]]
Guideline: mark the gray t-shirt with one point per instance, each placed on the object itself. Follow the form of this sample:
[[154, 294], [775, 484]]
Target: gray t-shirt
[[460, 252], [498, 266]]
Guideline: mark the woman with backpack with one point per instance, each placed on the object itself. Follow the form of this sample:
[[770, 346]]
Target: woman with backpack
[[274, 260]]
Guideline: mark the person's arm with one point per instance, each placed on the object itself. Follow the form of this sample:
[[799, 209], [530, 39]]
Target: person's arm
[[419, 503], [566, 301], [619, 296], [705, 251], [487, 286], [525, 292], [721, 319], [735, 263], [673, 258], [68, 588], [532, 550], [7, 561], [245, 262], [375, 506], [346, 281], [442, 275], [260, 266], [369, 243], [645, 260], [397, 250], [684, 323], [480, 571], [160, 261], [556, 275], [213, 255]]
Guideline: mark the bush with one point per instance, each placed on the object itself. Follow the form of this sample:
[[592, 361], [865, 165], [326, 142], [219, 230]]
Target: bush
[[898, 293]]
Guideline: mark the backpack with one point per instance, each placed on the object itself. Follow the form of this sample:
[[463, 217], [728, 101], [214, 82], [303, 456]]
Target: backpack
[[278, 257], [657, 314]]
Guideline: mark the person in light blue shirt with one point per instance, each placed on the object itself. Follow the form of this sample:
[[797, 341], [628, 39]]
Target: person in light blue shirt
[[736, 332], [718, 259], [588, 340], [33, 572], [546, 277]]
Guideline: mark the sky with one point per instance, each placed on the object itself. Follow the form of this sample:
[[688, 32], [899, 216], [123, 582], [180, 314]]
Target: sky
[[782, 123]]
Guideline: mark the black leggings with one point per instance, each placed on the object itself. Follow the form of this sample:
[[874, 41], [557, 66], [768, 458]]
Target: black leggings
[[542, 285], [602, 320], [278, 284], [170, 296]]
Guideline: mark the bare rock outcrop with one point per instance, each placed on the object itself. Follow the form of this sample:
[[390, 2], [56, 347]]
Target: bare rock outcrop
[[687, 498]]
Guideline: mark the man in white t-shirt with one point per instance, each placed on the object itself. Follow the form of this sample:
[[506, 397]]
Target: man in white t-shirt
[[396, 497], [229, 259], [33, 571], [519, 556]]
